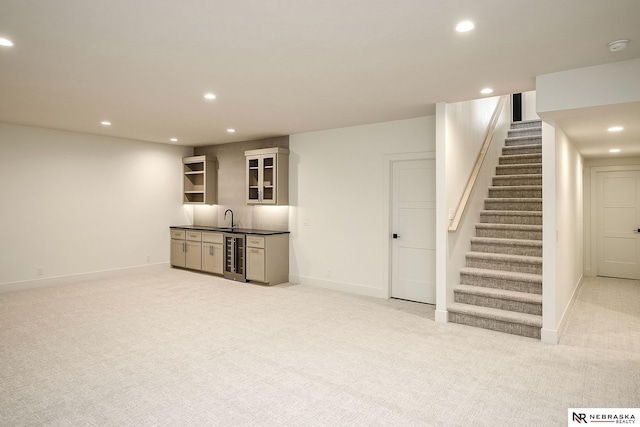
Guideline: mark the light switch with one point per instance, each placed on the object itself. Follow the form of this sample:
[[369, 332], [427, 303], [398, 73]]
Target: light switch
[[306, 221]]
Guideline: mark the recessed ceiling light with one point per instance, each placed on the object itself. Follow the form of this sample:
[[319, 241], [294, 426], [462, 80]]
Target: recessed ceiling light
[[5, 42], [105, 123], [614, 150], [486, 91], [615, 129], [465, 26], [231, 130], [209, 96], [174, 140]]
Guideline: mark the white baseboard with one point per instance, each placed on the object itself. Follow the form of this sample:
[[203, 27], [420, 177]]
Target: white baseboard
[[549, 336], [352, 288], [552, 336], [442, 316], [563, 319], [75, 278]]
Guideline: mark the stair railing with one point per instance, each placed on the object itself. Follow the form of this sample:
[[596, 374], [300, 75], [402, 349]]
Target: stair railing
[[462, 206]]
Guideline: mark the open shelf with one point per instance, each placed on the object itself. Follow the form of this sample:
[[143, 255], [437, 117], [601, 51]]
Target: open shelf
[[199, 183]]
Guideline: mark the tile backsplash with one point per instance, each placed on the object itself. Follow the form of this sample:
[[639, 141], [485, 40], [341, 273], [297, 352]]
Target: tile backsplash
[[231, 189]]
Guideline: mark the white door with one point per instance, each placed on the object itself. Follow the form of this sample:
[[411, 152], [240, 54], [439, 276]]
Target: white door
[[617, 224], [413, 219]]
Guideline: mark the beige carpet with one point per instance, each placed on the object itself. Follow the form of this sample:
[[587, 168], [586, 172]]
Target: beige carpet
[[175, 348]]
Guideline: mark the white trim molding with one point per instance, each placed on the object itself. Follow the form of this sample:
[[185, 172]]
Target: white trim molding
[[76, 278]]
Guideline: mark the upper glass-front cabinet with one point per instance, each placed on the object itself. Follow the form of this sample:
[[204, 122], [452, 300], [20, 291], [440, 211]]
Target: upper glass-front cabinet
[[267, 176]]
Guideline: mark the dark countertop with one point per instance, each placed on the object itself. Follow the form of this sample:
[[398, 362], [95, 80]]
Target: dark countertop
[[228, 230]]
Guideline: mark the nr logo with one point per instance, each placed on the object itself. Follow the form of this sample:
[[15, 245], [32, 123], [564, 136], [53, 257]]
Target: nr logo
[[580, 418]]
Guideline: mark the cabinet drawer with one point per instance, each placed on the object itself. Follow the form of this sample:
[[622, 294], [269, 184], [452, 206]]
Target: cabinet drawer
[[177, 234], [195, 236], [255, 241], [212, 237], [256, 265]]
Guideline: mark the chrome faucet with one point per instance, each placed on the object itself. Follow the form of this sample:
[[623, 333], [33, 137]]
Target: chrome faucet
[[225, 217]]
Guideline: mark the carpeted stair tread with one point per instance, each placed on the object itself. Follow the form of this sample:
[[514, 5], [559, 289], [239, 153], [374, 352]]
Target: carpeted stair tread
[[521, 227], [512, 180], [520, 159], [496, 314], [514, 199], [509, 169], [516, 259], [530, 131], [501, 240], [497, 274], [513, 203], [523, 156], [526, 124], [512, 213], [516, 187], [499, 294], [521, 149], [523, 138]]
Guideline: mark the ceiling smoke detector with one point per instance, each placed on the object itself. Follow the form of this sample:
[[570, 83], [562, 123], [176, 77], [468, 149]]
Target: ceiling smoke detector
[[618, 45]]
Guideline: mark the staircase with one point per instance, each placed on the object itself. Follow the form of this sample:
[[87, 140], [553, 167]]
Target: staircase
[[501, 285]]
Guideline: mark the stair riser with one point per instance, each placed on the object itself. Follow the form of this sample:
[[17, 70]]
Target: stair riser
[[512, 142], [521, 149], [510, 219], [518, 267], [495, 325], [515, 193], [498, 205], [504, 284], [484, 301], [519, 170], [520, 160], [506, 181], [509, 234], [524, 125], [531, 131], [507, 249]]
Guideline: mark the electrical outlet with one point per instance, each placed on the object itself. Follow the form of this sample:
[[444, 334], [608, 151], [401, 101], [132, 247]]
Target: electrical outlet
[[450, 213], [39, 271], [148, 258], [329, 274], [306, 222]]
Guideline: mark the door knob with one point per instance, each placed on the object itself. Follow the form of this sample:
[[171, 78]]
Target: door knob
[[395, 236]]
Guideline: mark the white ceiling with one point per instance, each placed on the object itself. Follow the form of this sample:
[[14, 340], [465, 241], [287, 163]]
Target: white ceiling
[[284, 66]]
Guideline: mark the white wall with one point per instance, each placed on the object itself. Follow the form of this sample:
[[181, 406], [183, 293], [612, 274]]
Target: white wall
[[563, 230], [529, 106], [337, 202], [569, 217], [608, 84], [466, 126], [75, 203]]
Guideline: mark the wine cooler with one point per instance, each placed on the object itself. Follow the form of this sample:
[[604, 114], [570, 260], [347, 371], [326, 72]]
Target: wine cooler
[[234, 254]]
